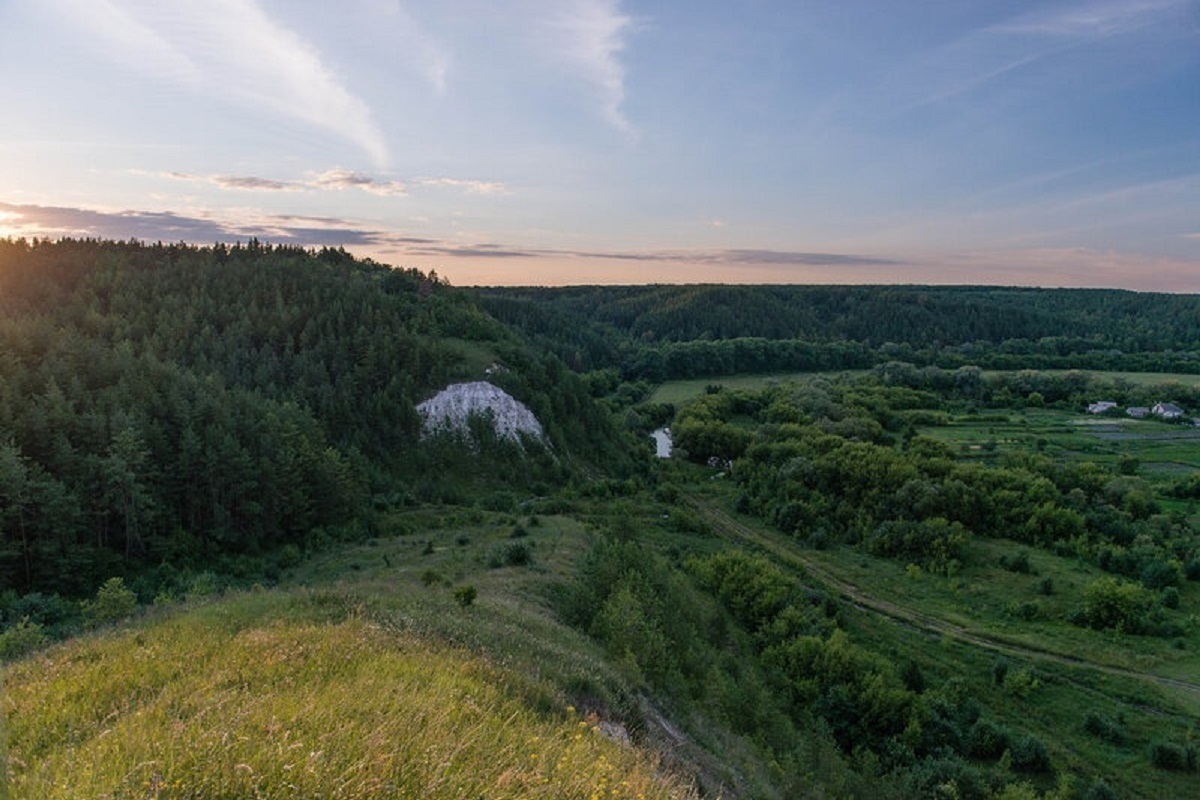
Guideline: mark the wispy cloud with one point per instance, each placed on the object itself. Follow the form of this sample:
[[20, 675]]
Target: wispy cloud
[[984, 56], [347, 179], [252, 183], [427, 54], [469, 186], [1094, 20], [229, 50], [724, 257], [334, 179], [592, 35]]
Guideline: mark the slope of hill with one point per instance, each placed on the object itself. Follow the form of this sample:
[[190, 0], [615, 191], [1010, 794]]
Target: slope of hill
[[298, 695], [206, 407]]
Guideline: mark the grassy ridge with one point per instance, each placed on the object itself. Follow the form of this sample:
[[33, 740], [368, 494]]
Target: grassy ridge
[[286, 695]]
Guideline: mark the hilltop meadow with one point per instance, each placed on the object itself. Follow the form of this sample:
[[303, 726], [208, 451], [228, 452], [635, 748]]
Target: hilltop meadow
[[892, 555]]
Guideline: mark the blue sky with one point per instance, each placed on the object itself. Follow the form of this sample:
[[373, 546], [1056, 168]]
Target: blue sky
[[613, 141]]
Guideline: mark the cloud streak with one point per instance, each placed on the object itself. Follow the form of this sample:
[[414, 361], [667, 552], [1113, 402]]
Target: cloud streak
[[720, 257], [426, 53], [336, 179], [229, 50], [984, 56], [468, 186], [593, 34], [347, 179]]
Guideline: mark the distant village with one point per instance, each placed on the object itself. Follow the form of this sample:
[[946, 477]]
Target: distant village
[[1164, 411]]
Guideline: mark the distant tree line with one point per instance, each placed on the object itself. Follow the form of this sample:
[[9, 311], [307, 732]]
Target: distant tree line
[[662, 333]]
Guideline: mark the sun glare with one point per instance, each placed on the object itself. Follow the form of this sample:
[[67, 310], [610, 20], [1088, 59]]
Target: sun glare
[[7, 229]]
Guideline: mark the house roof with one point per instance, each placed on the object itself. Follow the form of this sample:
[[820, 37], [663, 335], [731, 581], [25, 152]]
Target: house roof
[[1163, 409]]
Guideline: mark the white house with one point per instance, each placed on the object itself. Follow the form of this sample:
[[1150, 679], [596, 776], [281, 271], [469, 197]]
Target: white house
[[1138, 412], [1167, 410], [1101, 406]]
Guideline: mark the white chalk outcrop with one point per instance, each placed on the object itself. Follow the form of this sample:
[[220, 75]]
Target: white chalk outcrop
[[450, 409]]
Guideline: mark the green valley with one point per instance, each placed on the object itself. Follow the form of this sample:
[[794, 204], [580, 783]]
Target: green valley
[[892, 555]]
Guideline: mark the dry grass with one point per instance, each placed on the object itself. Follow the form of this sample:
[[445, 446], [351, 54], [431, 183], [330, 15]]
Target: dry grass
[[254, 698]]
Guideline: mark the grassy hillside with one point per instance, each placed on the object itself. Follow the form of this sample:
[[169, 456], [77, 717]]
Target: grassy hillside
[[338, 691]]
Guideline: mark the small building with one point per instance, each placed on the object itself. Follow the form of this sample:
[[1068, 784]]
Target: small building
[[1167, 411], [1101, 406], [1138, 412]]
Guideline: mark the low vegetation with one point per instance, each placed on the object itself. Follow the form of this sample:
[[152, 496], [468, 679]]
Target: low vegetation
[[297, 694]]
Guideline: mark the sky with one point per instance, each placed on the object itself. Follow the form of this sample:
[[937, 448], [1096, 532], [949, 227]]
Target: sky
[[547, 142]]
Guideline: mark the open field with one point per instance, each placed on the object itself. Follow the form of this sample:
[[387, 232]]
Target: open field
[[683, 390], [1164, 452], [1136, 378]]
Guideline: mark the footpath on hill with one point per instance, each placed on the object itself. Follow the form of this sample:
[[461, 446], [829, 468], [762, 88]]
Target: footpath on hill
[[729, 527]]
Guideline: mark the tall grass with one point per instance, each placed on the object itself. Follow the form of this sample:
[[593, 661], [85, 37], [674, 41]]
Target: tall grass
[[240, 700]]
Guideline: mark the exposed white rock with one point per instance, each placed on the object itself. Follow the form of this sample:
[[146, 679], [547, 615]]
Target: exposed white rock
[[450, 409], [662, 442]]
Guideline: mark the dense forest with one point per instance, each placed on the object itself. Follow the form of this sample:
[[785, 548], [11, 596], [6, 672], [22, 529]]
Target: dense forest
[[669, 332], [164, 407]]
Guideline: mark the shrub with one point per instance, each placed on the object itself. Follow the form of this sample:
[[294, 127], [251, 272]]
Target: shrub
[[1029, 754], [1022, 682], [510, 554], [1160, 574], [1027, 610], [205, 584], [1100, 791], [934, 544], [912, 677], [999, 671], [113, 602], [1046, 586], [1018, 563], [986, 740], [1168, 755], [465, 595], [1170, 597], [21, 638], [1103, 727], [1116, 604], [47, 610]]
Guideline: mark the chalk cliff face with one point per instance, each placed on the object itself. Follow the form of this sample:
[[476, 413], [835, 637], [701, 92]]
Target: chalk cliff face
[[450, 409]]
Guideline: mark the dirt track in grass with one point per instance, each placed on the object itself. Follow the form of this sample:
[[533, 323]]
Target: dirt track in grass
[[726, 525]]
